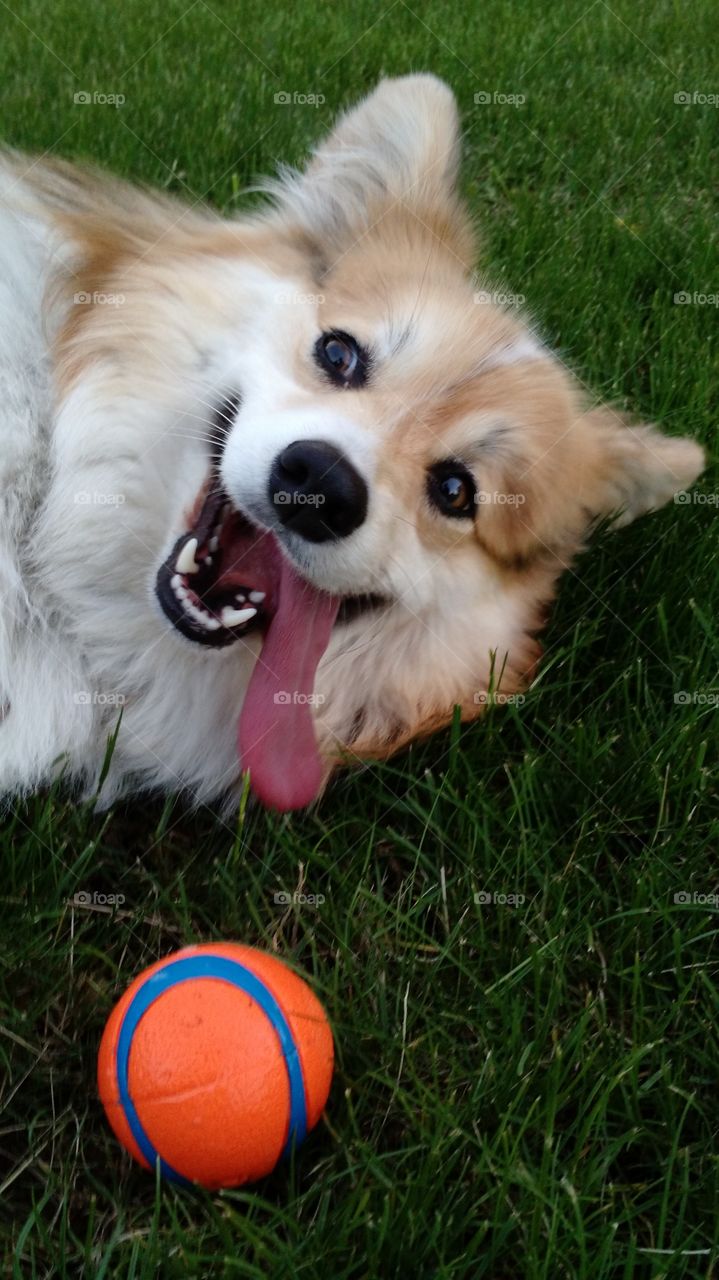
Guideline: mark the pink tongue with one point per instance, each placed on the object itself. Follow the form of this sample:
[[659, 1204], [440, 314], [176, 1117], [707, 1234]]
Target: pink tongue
[[276, 735]]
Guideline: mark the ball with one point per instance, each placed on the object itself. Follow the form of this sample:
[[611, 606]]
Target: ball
[[215, 1062]]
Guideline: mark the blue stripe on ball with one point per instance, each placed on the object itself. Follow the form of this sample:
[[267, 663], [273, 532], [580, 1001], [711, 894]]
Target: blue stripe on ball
[[207, 966]]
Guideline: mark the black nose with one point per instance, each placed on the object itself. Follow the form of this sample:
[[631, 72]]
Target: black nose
[[316, 491]]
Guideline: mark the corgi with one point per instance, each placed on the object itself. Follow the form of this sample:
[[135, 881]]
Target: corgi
[[279, 491]]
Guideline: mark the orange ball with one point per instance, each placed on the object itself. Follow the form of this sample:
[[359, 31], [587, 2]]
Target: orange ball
[[215, 1061]]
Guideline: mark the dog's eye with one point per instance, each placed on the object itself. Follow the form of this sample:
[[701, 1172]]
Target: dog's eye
[[451, 489], [341, 357]]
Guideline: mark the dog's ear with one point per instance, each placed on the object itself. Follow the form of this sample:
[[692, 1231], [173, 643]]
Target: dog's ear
[[397, 149], [544, 492], [639, 469]]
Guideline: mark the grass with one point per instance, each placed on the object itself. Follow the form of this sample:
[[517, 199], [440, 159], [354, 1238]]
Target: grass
[[524, 1090]]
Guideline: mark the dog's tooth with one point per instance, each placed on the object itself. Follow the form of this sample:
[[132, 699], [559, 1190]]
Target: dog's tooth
[[186, 562], [214, 543], [235, 617], [210, 624], [176, 581], [257, 597], [207, 560]]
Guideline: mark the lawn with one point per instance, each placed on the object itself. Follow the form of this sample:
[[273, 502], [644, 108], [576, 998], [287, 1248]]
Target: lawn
[[525, 1090]]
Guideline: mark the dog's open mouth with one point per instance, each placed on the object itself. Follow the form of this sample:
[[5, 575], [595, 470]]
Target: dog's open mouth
[[219, 582], [224, 579]]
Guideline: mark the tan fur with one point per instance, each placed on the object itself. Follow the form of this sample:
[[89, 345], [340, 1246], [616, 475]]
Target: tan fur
[[140, 260]]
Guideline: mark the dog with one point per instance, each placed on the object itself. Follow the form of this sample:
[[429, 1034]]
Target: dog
[[279, 491]]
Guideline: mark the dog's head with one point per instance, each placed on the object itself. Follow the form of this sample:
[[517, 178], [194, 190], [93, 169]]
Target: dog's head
[[400, 468]]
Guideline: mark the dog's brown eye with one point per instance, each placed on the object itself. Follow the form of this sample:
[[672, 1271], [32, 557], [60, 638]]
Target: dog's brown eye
[[451, 489], [341, 357], [454, 492]]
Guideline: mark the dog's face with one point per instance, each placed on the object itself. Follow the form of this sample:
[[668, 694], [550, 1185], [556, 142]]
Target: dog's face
[[373, 416], [396, 469]]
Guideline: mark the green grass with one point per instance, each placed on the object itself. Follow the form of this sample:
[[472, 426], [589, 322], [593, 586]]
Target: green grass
[[520, 1091]]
